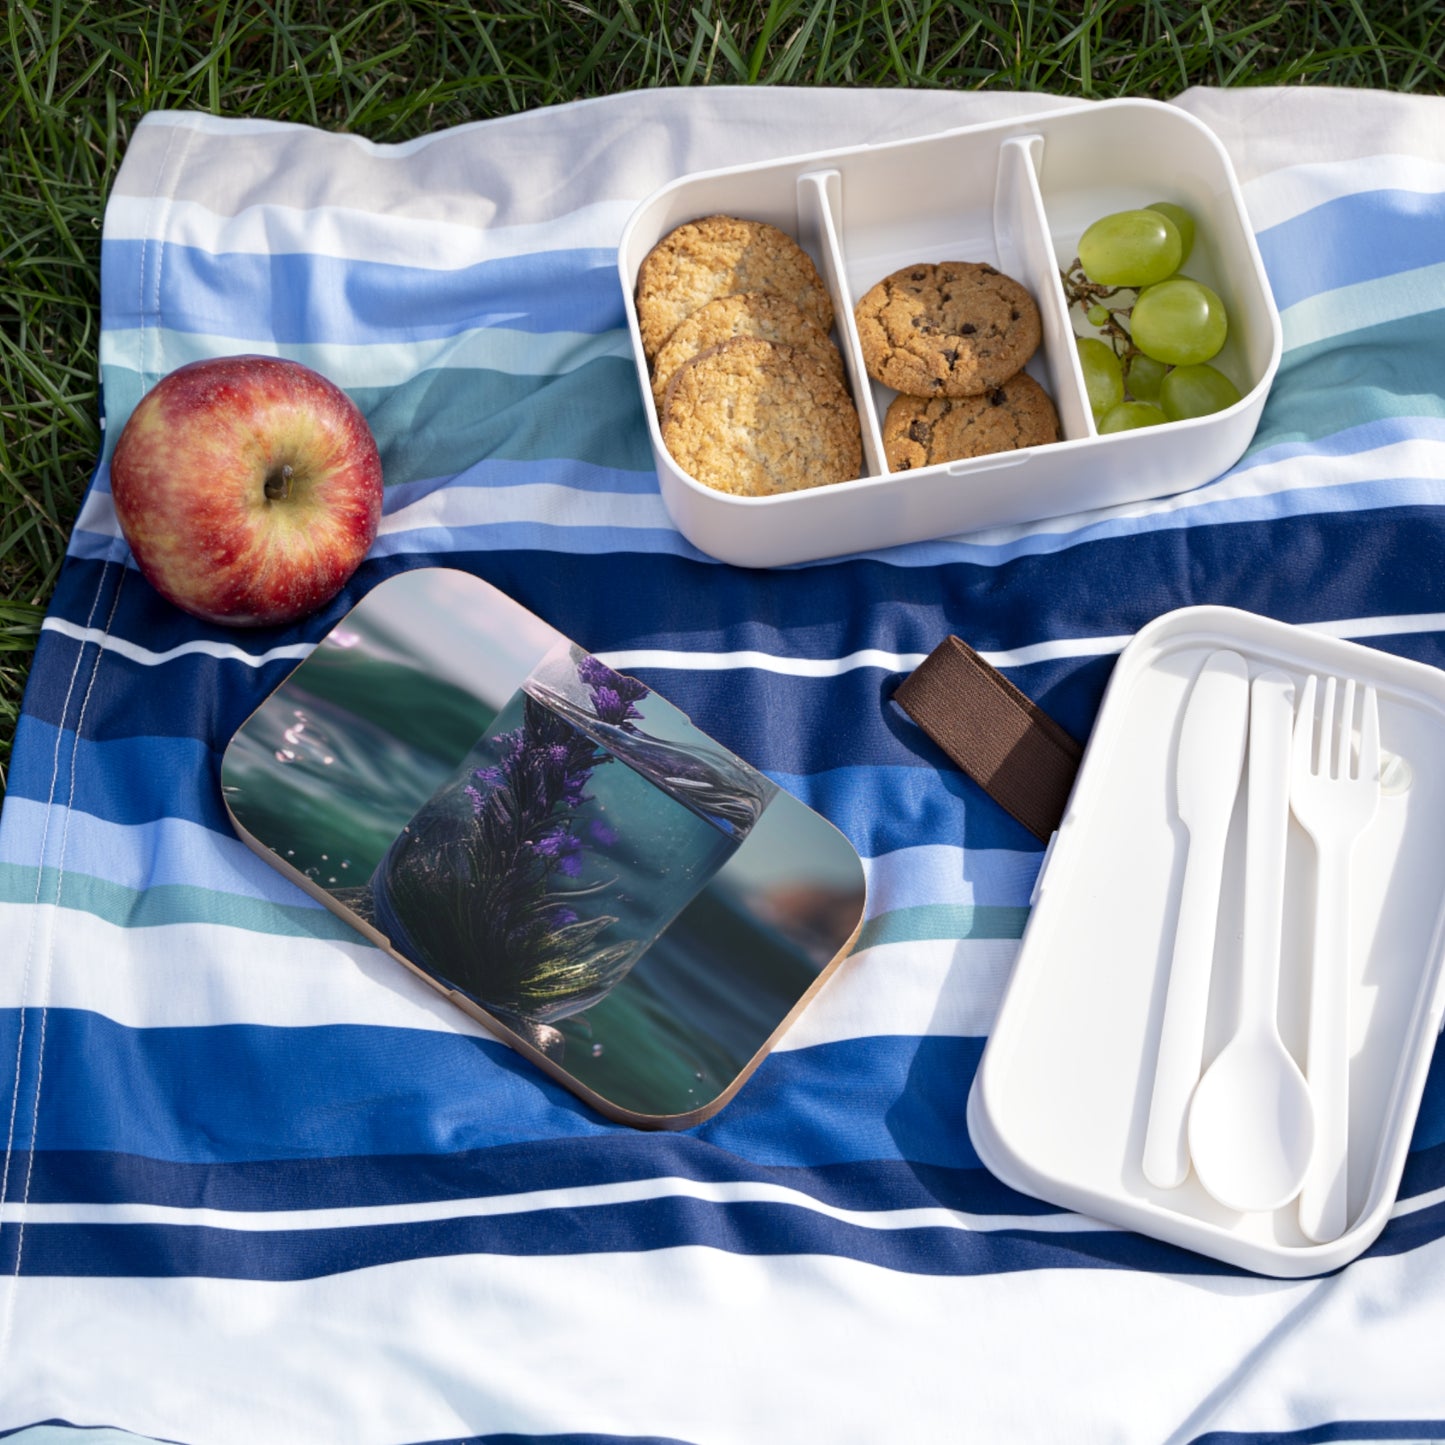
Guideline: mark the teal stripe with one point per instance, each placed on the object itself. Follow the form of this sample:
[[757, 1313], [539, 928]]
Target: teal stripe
[[439, 423], [943, 920], [1376, 374], [442, 422], [168, 903]]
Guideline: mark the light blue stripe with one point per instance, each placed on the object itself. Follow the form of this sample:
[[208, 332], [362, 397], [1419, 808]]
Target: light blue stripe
[[307, 299], [494, 472], [915, 876], [1353, 238], [558, 537], [881, 808], [78, 1435], [159, 854], [173, 852], [148, 779]]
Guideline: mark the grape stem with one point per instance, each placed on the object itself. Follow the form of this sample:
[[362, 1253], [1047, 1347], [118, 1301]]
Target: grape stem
[[1086, 295]]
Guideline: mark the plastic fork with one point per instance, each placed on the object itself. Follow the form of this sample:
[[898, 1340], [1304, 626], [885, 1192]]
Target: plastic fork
[[1334, 793]]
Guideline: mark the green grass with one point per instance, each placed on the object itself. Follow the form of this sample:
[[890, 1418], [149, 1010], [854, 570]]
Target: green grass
[[76, 77]]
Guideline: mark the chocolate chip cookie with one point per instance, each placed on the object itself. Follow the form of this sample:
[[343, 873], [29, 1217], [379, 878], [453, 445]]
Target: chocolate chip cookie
[[918, 432], [717, 256], [749, 313], [753, 418], [955, 328]]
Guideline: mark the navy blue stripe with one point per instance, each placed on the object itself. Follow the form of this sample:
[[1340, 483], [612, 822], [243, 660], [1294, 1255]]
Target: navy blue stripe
[[570, 1438], [128, 780], [1415, 1431], [1339, 565], [205, 1094], [1353, 238], [1425, 1164], [200, 697], [1430, 1127], [1410, 1231], [85, 596], [58, 1176], [1344, 567], [753, 1228], [206, 697], [300, 297], [507, 1438], [758, 1230]]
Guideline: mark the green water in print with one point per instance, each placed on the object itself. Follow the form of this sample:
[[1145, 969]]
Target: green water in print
[[541, 871]]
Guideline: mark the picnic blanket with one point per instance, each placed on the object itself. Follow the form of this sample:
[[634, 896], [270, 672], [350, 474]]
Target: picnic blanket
[[260, 1184]]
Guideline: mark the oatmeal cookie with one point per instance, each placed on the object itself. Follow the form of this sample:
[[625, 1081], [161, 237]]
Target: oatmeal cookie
[[918, 432], [753, 418], [748, 313], [956, 328], [716, 256]]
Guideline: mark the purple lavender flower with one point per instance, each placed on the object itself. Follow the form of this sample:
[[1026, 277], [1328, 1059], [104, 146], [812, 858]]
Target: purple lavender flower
[[613, 694], [495, 877], [561, 848]]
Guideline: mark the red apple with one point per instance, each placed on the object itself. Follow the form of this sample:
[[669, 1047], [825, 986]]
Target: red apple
[[248, 487]]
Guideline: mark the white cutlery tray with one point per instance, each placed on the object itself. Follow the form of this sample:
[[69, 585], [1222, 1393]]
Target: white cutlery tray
[[1016, 195], [1060, 1104]]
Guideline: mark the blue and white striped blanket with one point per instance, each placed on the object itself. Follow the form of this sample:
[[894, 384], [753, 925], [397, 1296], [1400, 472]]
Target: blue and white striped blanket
[[259, 1184]]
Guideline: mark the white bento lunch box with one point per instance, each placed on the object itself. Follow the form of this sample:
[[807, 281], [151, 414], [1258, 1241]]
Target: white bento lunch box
[[1016, 195], [1061, 1101]]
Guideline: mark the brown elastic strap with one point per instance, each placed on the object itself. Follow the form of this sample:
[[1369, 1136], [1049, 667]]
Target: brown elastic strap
[[1008, 745]]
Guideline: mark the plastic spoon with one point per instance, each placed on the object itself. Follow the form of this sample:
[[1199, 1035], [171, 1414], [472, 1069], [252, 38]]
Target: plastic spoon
[[1211, 754], [1251, 1122]]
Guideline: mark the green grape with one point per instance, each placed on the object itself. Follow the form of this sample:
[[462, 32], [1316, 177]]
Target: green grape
[[1098, 315], [1179, 322], [1144, 376], [1103, 376], [1129, 415], [1130, 248], [1183, 223], [1196, 391]]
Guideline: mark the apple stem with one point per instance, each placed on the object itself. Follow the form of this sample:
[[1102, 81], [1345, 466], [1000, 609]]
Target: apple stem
[[278, 484]]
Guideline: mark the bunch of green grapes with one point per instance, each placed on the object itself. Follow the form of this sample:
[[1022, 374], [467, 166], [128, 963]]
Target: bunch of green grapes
[[1154, 365]]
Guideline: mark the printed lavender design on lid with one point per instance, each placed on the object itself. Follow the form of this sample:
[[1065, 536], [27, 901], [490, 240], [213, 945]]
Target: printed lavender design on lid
[[566, 842]]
